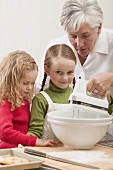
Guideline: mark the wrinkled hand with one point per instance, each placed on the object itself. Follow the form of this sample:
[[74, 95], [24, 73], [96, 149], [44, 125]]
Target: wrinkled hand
[[99, 84], [42, 142]]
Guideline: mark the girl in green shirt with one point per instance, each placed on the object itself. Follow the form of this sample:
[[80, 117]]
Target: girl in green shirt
[[59, 65]]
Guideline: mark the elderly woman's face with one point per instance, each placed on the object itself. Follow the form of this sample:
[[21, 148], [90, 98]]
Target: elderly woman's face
[[84, 39]]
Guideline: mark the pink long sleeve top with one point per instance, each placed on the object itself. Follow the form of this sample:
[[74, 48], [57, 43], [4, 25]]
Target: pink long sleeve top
[[14, 126]]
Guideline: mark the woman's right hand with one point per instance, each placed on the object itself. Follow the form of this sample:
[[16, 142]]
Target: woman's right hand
[[99, 84], [42, 142]]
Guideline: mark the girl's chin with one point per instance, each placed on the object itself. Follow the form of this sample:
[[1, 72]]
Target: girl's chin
[[24, 96], [63, 87]]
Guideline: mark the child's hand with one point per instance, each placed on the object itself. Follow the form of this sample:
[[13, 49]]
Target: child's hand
[[41, 142], [20, 146]]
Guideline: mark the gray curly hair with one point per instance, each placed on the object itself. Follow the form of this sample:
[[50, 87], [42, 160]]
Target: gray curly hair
[[77, 12]]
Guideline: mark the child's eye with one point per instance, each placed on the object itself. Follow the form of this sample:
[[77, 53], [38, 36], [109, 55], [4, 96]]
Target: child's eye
[[25, 83], [70, 72], [59, 72]]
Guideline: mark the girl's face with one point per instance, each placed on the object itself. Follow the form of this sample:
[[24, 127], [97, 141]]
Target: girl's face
[[28, 82], [61, 72]]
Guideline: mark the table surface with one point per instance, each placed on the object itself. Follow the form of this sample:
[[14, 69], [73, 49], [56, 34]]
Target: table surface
[[104, 163]]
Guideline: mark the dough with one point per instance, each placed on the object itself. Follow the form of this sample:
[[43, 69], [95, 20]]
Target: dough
[[10, 160]]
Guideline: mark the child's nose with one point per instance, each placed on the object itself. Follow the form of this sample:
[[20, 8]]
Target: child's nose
[[29, 87], [65, 77]]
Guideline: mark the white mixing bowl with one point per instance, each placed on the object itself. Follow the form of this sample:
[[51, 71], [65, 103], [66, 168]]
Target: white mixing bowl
[[80, 116], [79, 135]]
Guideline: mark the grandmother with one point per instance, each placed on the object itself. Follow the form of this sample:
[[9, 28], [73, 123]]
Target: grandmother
[[93, 45]]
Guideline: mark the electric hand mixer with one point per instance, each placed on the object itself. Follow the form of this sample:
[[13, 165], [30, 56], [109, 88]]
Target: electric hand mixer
[[83, 100]]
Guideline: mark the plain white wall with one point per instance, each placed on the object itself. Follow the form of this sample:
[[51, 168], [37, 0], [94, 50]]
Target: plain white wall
[[30, 24]]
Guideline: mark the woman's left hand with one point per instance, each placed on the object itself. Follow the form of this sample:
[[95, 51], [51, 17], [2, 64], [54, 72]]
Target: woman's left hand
[[99, 84]]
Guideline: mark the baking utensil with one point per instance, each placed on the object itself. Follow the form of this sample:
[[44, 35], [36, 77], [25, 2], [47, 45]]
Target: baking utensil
[[87, 100], [32, 162], [42, 154]]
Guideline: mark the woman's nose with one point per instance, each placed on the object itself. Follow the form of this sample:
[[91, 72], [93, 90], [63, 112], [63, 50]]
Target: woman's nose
[[79, 42]]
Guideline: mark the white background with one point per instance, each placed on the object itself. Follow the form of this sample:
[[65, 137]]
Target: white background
[[30, 24]]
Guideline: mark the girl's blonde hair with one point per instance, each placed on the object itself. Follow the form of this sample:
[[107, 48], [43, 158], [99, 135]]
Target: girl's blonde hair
[[55, 51], [12, 70]]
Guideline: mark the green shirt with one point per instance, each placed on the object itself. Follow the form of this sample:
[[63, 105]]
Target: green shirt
[[40, 107], [110, 108]]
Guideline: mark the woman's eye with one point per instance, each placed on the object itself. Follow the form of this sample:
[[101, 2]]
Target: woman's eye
[[85, 36], [73, 37]]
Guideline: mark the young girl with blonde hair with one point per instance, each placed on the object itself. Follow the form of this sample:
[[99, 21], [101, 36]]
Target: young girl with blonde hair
[[18, 72], [59, 65]]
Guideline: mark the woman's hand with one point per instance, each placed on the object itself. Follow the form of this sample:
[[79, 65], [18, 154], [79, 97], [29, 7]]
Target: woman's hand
[[42, 142], [99, 84]]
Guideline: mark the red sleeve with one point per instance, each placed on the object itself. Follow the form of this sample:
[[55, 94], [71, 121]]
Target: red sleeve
[[8, 134]]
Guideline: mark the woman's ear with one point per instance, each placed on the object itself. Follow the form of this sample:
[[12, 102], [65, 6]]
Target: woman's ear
[[46, 69], [99, 28]]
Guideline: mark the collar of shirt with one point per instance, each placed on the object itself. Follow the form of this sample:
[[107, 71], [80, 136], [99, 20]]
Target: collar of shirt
[[102, 43]]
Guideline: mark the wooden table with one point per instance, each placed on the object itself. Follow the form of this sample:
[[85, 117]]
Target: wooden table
[[103, 165]]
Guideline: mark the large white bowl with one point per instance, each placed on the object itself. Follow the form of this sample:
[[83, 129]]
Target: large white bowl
[[79, 135], [80, 116]]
